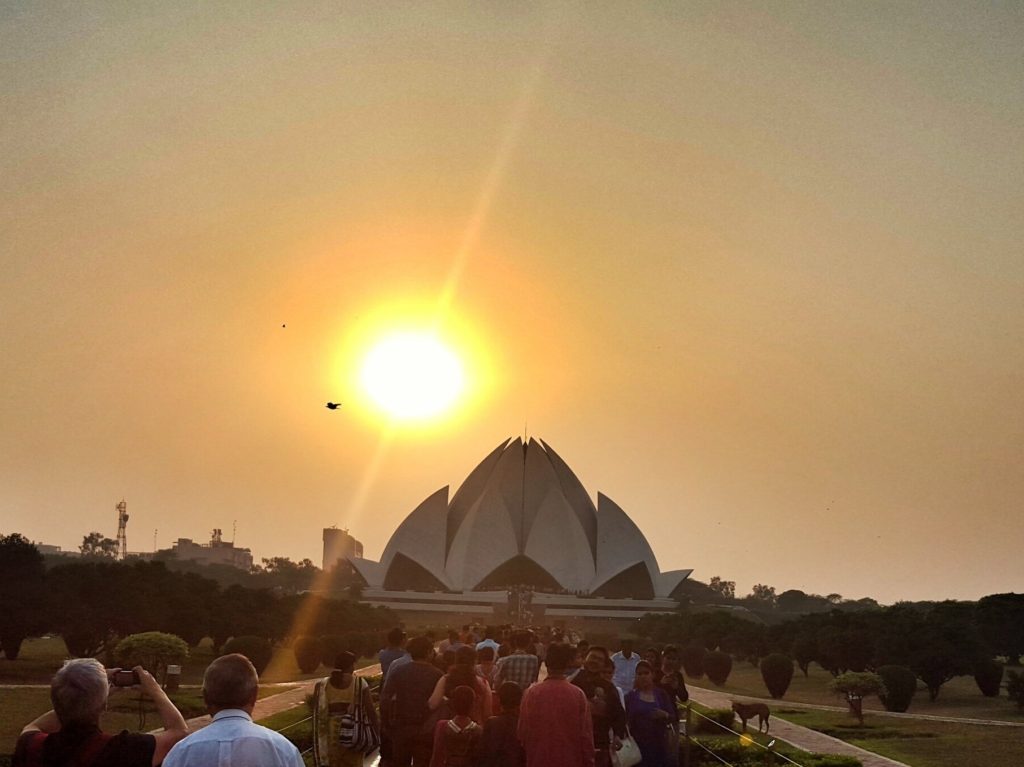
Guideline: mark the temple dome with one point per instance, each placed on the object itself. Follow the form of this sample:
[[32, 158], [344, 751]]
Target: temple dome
[[521, 516]]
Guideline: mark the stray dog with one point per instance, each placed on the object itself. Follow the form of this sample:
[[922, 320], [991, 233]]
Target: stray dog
[[747, 711]]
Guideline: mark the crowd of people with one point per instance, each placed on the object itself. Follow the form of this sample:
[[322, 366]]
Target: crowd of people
[[500, 697], [493, 697]]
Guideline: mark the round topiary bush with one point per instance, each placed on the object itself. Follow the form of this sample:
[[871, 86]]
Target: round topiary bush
[[718, 666], [153, 650], [330, 645], [693, 657], [307, 654], [900, 686], [256, 649], [777, 673], [989, 676]]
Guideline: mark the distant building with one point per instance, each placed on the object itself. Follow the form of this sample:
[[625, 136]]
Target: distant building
[[49, 550], [339, 545], [216, 552]]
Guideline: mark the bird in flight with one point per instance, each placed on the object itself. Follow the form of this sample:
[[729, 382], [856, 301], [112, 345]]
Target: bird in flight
[[333, 405]]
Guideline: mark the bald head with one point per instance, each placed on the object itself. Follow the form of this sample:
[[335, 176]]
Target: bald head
[[230, 681]]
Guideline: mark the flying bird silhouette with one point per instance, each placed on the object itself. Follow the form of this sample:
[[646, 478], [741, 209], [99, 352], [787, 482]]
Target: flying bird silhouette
[[333, 405]]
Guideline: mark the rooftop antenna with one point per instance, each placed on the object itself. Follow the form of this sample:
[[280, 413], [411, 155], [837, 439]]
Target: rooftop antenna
[[155, 531], [234, 529], [122, 523]]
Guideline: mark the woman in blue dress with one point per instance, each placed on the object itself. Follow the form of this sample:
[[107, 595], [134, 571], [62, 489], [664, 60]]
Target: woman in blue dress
[[649, 712]]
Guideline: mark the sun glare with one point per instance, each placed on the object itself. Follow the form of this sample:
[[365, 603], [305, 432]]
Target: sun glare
[[412, 375]]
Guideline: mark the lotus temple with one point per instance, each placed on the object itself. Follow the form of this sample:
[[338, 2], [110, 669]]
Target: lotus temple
[[520, 521]]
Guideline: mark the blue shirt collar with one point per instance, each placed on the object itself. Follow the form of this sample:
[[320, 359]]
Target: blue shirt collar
[[233, 713]]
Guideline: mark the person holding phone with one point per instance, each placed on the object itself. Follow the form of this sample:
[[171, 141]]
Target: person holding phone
[[70, 733]]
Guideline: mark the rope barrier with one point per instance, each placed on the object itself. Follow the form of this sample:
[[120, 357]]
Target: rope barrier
[[295, 724], [731, 731]]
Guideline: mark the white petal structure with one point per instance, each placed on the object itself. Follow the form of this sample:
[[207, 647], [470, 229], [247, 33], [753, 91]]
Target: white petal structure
[[521, 517]]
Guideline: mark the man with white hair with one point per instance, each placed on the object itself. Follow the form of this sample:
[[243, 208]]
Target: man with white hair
[[232, 739], [70, 733]]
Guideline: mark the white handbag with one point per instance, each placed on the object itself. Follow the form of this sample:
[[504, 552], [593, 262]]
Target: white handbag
[[629, 755]]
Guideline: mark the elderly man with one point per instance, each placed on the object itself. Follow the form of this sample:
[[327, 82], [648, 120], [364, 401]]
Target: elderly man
[[70, 733], [231, 739]]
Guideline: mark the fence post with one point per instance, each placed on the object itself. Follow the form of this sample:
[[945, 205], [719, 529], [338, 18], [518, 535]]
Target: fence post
[[686, 738]]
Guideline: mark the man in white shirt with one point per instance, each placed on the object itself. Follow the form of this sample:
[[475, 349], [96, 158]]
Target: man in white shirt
[[232, 739], [625, 666]]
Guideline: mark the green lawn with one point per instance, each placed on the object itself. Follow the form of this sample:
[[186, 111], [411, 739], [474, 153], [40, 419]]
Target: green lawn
[[959, 697], [19, 707], [919, 743], [40, 658]]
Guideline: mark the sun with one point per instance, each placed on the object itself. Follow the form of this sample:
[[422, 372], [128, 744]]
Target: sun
[[412, 375]]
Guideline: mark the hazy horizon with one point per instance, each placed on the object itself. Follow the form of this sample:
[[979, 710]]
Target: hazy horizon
[[753, 270]]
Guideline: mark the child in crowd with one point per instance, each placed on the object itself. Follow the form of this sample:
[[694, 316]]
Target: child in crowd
[[457, 740]]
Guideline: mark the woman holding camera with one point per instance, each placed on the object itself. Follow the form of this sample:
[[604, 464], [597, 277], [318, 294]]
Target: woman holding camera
[[71, 734]]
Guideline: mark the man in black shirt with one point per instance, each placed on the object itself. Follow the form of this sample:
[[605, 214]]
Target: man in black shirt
[[405, 709], [501, 746], [606, 710], [70, 733]]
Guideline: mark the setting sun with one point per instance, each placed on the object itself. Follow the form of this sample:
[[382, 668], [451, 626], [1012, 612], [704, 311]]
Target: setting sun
[[412, 375]]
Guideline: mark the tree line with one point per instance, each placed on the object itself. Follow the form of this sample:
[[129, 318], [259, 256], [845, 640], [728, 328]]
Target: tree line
[[935, 641], [91, 601]]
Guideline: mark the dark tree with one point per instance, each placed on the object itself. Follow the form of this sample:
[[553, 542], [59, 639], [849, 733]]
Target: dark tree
[[988, 675], [692, 657], [1000, 620], [22, 574], [718, 666], [805, 650], [96, 545], [900, 686], [777, 673], [256, 649]]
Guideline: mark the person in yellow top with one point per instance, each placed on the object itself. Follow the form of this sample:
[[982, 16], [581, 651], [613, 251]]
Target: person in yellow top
[[345, 723]]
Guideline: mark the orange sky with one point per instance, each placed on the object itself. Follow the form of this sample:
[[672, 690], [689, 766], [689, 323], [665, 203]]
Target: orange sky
[[754, 271]]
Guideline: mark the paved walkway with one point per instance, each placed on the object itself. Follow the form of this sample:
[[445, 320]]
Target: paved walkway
[[797, 735], [867, 712], [283, 701]]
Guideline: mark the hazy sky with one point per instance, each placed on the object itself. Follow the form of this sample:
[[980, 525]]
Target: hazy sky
[[754, 270]]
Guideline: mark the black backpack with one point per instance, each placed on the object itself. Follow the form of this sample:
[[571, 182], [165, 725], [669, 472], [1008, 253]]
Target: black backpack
[[461, 744]]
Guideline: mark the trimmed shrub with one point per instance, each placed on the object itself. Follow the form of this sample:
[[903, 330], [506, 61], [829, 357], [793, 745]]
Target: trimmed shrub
[[718, 666], [777, 673], [256, 649], [718, 716], [153, 650], [307, 654], [726, 749], [988, 674], [693, 657], [900, 686], [330, 646]]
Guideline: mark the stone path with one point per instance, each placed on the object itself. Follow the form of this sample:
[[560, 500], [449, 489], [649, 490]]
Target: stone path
[[797, 735]]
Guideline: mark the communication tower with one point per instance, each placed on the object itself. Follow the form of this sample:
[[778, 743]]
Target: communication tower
[[122, 524]]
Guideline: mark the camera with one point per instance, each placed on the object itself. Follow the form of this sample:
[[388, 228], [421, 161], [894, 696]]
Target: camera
[[125, 679]]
